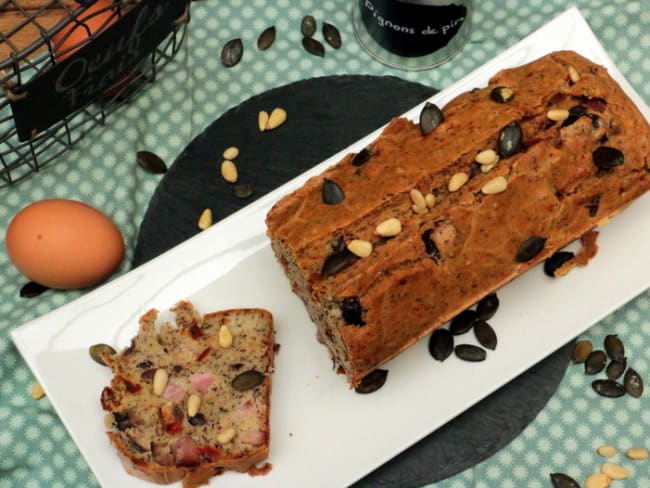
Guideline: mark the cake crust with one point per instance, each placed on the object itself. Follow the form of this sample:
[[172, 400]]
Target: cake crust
[[559, 180]]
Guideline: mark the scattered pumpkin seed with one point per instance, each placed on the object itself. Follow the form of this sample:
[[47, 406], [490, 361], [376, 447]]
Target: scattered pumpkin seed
[[555, 262], [96, 352], [266, 38], [530, 248], [277, 117], [608, 388], [637, 453], [495, 185], [313, 47], [226, 435], [615, 369], [614, 347], [150, 162], [389, 227], [32, 289], [581, 351], [308, 26], [558, 114], [242, 190], [485, 334], [247, 380], [574, 75], [606, 157], [457, 181], [501, 94], [229, 171], [360, 248], [633, 383], [232, 52], [205, 220], [372, 382], [262, 120], [510, 139], [430, 117], [470, 352], [487, 157], [595, 362], [331, 35], [352, 311], [487, 307], [614, 471], [193, 404], [331, 192], [561, 480], [37, 391], [462, 322], [606, 450], [231, 153], [441, 344], [361, 157]]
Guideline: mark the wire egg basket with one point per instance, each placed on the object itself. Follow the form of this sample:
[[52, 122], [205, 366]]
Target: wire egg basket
[[31, 33]]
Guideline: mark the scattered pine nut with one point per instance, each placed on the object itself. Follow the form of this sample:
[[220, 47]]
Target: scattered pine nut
[[430, 200], [607, 450], [225, 337], [193, 404], [614, 471], [205, 220], [262, 120], [276, 119], [37, 391], [558, 114], [456, 181], [360, 248], [160, 379], [487, 157], [418, 198], [229, 171], [225, 435], [598, 480], [389, 227], [574, 75], [603, 222], [231, 153], [637, 453], [495, 185], [108, 421]]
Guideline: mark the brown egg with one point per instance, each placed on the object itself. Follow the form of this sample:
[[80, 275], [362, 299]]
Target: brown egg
[[64, 244]]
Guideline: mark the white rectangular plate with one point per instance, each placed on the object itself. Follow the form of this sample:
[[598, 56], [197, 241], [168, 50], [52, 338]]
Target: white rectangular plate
[[323, 434]]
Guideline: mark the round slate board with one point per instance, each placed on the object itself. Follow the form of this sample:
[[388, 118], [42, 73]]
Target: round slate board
[[325, 115]]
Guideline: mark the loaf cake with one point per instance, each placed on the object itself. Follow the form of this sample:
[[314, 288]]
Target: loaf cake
[[392, 242], [190, 400]]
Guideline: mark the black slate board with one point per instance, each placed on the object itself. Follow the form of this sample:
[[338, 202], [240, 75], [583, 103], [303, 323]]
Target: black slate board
[[325, 115]]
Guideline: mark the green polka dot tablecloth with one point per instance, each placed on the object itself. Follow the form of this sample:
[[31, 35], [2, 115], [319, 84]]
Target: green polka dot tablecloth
[[194, 90]]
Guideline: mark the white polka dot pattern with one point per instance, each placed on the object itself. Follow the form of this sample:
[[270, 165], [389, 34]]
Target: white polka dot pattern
[[193, 91]]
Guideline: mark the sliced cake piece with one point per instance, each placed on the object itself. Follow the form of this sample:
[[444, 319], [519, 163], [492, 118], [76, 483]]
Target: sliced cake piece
[[191, 400]]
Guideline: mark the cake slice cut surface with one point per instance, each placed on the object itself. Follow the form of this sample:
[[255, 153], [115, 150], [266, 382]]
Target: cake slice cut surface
[[192, 399]]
